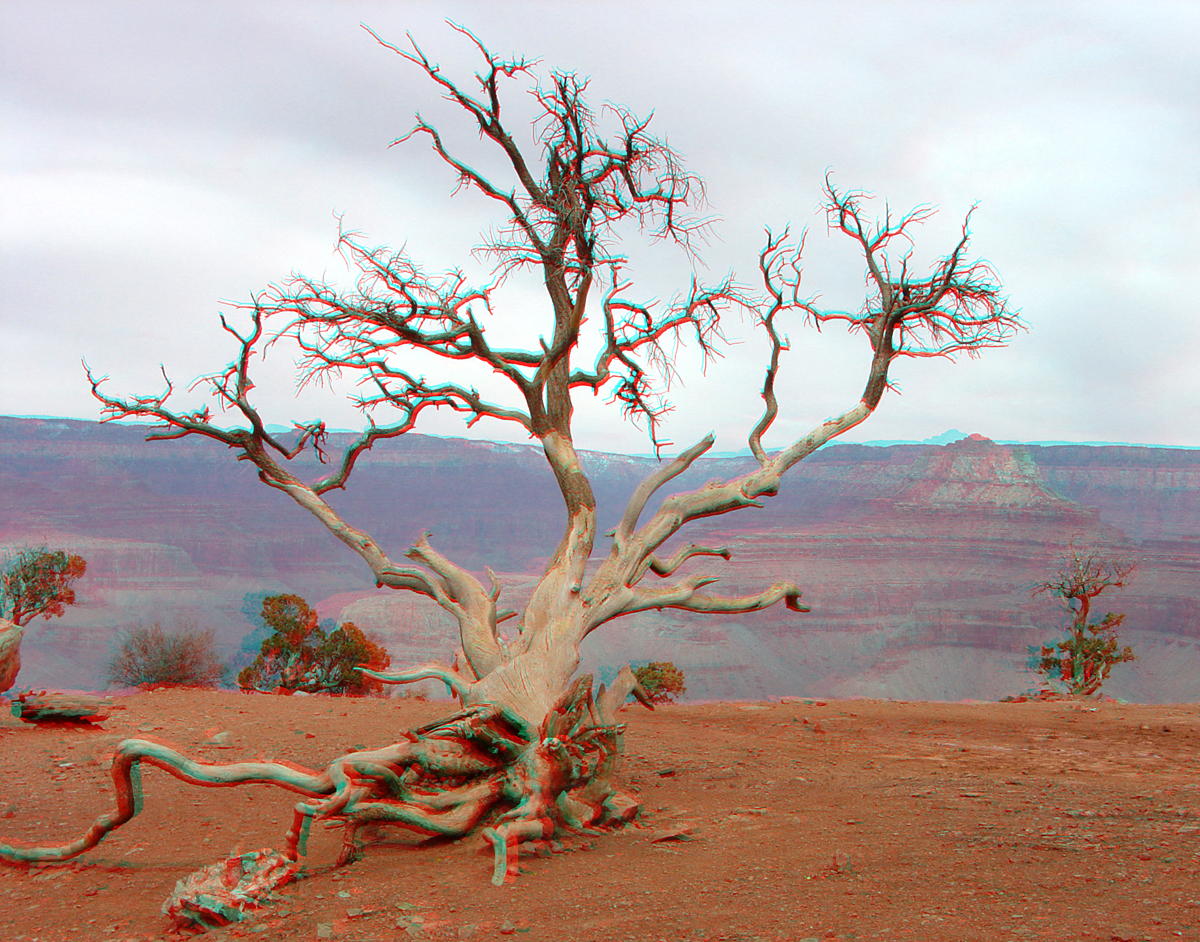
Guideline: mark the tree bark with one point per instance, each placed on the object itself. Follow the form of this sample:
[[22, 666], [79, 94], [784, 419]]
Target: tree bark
[[60, 708], [10, 653]]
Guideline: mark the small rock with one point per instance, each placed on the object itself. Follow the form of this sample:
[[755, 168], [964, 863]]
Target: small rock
[[344, 894], [467, 932], [324, 931], [354, 913], [507, 928], [684, 831]]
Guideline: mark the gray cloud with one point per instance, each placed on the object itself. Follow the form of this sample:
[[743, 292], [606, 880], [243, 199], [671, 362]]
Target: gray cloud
[[162, 157]]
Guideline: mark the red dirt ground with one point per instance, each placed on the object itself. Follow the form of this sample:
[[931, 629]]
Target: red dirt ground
[[859, 819]]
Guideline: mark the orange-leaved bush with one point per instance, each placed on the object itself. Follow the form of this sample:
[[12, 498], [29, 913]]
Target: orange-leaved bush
[[301, 655], [662, 680]]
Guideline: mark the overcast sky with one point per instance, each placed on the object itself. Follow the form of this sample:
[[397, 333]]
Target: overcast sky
[[158, 159]]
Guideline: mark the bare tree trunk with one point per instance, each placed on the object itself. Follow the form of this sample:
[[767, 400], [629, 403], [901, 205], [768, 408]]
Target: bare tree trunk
[[10, 653], [61, 708]]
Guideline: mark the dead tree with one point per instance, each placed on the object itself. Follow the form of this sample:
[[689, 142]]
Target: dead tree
[[533, 749]]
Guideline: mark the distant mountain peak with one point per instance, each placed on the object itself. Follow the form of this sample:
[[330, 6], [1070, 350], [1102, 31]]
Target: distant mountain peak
[[975, 472]]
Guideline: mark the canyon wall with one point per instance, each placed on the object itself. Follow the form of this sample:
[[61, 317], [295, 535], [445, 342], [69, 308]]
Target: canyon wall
[[917, 560]]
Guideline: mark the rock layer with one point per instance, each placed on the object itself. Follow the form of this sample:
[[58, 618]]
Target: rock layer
[[917, 560]]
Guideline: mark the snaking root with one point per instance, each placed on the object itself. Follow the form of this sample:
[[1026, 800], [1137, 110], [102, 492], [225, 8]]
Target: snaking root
[[441, 781]]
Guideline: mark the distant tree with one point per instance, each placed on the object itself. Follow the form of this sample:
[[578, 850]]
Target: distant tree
[[33, 582], [150, 656], [300, 655], [38, 582], [1082, 660], [662, 681]]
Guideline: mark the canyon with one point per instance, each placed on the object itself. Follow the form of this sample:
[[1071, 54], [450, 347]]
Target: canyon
[[917, 561]]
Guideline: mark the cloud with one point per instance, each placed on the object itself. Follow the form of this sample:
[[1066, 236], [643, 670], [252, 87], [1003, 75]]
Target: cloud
[[160, 159]]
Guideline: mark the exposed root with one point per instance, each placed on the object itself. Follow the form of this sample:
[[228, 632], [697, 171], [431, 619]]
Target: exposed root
[[444, 780]]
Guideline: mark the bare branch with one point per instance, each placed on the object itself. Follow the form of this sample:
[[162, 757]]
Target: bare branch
[[779, 266], [660, 568], [458, 683], [461, 594], [1082, 576], [609, 700], [682, 595], [648, 487], [958, 308]]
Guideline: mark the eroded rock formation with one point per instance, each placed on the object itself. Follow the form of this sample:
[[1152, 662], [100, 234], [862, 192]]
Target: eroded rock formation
[[916, 560]]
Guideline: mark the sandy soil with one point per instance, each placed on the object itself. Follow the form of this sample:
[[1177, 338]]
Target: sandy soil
[[810, 820]]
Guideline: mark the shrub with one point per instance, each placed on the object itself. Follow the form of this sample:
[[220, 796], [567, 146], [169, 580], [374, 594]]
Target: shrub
[[662, 680], [301, 655], [150, 656], [1082, 660]]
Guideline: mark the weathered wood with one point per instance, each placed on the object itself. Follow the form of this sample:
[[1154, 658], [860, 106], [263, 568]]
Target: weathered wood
[[10, 653], [60, 708]]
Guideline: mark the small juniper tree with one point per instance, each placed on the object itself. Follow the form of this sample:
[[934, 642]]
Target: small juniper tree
[[1083, 659], [33, 582]]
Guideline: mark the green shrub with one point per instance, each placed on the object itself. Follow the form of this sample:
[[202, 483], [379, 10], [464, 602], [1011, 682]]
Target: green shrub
[[150, 656], [662, 680], [1082, 660], [301, 655]]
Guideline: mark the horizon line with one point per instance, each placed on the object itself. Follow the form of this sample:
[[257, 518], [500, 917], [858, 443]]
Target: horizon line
[[945, 438]]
